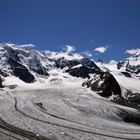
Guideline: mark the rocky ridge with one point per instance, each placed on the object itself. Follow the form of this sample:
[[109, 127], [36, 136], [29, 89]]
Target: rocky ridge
[[27, 64]]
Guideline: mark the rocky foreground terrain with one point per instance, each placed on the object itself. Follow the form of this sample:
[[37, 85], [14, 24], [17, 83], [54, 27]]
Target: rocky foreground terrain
[[65, 96]]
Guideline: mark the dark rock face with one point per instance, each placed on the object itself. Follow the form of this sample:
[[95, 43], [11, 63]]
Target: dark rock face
[[21, 71], [22, 62], [62, 62], [36, 66], [82, 71], [128, 68], [129, 117], [89, 63], [18, 69], [133, 69], [120, 64], [127, 74], [131, 100], [100, 60], [1, 86], [87, 67], [105, 85], [4, 74]]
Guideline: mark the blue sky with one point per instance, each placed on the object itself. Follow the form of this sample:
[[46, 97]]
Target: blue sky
[[85, 24]]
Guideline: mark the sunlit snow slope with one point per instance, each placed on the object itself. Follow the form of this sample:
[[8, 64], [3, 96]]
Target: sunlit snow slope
[[42, 97]]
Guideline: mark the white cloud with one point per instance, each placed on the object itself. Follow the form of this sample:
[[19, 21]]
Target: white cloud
[[101, 49], [69, 49], [133, 51], [87, 53], [27, 45]]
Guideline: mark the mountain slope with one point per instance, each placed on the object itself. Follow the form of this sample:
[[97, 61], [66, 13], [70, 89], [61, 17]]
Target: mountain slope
[[31, 65], [43, 95]]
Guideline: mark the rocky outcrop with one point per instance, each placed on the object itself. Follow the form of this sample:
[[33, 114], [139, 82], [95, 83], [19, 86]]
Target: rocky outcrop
[[1, 86], [127, 74], [130, 65], [104, 84], [82, 71], [133, 69], [36, 66], [85, 68], [3, 73], [22, 62], [130, 99], [62, 62], [89, 63], [21, 71], [129, 117]]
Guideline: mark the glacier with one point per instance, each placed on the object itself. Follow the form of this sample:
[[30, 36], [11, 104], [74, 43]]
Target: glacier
[[50, 103]]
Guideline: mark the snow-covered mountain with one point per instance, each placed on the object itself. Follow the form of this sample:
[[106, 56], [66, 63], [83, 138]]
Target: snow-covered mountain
[[44, 94], [28, 64], [131, 65], [126, 73], [32, 66]]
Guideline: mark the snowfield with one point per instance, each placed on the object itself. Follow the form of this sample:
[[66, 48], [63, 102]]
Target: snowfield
[[131, 83], [61, 111], [42, 97]]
